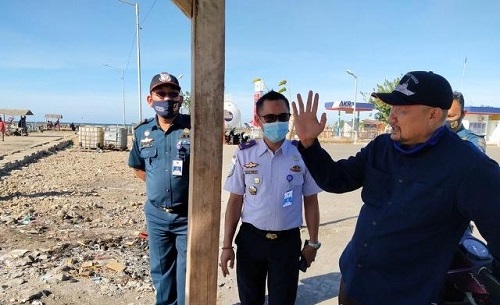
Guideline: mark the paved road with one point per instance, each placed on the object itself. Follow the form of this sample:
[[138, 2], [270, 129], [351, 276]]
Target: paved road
[[17, 150], [14, 144]]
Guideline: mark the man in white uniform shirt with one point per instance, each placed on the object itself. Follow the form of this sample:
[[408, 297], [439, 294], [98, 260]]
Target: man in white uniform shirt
[[268, 184]]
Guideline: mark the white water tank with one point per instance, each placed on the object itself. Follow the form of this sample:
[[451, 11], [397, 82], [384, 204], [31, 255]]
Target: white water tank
[[232, 115]]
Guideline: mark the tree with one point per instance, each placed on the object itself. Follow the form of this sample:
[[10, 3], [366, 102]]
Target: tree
[[383, 108], [186, 104]]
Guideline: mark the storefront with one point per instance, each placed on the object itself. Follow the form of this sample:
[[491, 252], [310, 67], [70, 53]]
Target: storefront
[[484, 121]]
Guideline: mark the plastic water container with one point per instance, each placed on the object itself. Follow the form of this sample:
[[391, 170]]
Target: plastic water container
[[115, 138], [91, 136]]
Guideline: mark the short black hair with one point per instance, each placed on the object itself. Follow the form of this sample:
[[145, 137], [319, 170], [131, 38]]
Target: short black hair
[[272, 96], [459, 97]]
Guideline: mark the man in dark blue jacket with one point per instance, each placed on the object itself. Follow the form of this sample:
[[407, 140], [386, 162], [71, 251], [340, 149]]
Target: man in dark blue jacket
[[416, 207]]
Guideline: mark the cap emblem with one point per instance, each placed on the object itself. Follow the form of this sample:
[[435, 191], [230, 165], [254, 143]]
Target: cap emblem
[[403, 88], [165, 77]]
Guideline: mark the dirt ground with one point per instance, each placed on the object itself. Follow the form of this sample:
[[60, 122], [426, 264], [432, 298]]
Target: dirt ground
[[70, 223], [69, 227]]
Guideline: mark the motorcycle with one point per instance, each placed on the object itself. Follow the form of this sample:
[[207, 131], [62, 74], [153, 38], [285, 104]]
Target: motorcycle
[[469, 280], [233, 138]]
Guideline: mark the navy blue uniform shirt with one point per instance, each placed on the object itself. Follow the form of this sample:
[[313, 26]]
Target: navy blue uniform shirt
[[416, 208], [475, 139], [154, 151]]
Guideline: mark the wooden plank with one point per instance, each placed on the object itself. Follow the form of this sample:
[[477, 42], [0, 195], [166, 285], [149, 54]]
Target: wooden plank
[[208, 34], [186, 7]]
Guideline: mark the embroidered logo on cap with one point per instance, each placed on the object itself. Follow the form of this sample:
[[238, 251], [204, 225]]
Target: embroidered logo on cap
[[403, 88], [165, 77]]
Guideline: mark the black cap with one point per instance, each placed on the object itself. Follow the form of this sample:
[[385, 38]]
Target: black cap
[[164, 78], [420, 88]]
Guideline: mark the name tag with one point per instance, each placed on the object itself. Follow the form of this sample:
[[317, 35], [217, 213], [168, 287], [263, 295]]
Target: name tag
[[288, 198], [177, 167]]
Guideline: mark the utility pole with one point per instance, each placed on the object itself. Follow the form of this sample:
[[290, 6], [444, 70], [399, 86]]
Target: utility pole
[[138, 55]]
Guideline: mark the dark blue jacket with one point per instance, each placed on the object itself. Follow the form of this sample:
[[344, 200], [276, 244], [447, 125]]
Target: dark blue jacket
[[416, 208], [154, 151]]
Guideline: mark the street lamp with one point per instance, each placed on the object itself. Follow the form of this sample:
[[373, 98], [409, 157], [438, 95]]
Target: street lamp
[[138, 55], [122, 72], [354, 131]]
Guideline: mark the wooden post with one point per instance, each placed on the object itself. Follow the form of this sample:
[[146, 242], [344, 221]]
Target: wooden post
[[207, 87]]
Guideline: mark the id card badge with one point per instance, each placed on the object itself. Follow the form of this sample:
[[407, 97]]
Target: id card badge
[[177, 167], [288, 198]]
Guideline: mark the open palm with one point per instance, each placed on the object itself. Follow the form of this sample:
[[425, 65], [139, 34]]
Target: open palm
[[307, 126]]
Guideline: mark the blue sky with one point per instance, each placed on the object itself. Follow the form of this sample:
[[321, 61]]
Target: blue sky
[[53, 52]]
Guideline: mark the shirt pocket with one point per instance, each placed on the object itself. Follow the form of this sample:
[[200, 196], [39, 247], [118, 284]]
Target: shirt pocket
[[253, 183], [297, 181], [149, 154], [376, 188]]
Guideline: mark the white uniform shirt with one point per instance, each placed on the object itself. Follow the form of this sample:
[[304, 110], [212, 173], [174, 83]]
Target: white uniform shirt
[[265, 179]]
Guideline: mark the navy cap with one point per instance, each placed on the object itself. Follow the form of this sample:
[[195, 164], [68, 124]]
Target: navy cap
[[164, 78], [420, 88]]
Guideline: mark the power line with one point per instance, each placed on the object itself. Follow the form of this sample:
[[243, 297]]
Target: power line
[[132, 45], [147, 14]]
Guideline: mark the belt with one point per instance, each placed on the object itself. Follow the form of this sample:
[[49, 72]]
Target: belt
[[177, 209], [271, 235]]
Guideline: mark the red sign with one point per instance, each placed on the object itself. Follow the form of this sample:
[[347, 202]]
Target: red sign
[[256, 96]]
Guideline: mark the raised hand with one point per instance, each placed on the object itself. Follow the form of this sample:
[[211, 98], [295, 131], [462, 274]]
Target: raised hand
[[307, 126]]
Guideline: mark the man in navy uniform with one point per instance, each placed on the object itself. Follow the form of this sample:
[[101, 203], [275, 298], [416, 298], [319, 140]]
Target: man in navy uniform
[[456, 114], [415, 206], [160, 157], [269, 185]]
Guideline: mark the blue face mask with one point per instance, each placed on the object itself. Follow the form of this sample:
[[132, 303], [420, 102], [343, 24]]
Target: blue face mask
[[166, 109], [276, 131]]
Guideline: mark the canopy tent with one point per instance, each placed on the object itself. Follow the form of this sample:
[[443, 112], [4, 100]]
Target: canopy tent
[[16, 112], [53, 125], [53, 116]]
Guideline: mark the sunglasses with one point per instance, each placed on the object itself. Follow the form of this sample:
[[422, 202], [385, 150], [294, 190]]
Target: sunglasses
[[164, 94], [271, 118]]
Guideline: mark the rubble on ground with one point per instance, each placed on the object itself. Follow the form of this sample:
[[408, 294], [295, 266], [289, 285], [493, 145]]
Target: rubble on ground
[[70, 220]]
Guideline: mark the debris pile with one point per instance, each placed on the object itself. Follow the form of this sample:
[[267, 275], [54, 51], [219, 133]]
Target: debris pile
[[70, 232]]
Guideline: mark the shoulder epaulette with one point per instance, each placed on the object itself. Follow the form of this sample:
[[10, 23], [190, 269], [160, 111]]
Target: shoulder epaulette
[[247, 144], [144, 121], [295, 143]]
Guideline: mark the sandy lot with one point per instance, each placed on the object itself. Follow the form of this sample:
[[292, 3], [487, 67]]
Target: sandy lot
[[69, 227]]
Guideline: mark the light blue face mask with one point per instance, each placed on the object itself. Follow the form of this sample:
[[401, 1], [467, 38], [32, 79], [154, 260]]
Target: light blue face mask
[[276, 131]]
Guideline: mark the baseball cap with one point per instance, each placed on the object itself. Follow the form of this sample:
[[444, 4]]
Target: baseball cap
[[164, 78], [420, 88]]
